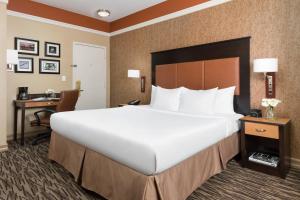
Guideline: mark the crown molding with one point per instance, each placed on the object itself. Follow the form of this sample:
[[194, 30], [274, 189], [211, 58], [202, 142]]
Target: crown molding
[[56, 23], [4, 1], [180, 13]]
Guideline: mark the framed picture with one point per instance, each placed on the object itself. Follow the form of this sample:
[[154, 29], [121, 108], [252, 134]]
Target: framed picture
[[49, 66], [25, 65], [52, 49], [27, 46]]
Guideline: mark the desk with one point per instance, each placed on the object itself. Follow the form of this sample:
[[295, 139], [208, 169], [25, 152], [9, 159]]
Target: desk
[[28, 104]]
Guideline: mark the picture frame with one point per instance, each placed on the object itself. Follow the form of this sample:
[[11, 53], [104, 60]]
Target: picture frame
[[26, 65], [52, 49], [27, 46], [48, 66]]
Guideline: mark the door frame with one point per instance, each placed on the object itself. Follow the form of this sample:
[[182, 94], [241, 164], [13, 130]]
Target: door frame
[[105, 65]]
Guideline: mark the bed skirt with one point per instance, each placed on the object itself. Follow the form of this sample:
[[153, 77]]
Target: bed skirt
[[115, 181]]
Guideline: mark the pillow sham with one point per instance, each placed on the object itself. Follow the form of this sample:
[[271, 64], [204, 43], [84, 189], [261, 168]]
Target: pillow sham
[[224, 101], [197, 101], [166, 99], [153, 91]]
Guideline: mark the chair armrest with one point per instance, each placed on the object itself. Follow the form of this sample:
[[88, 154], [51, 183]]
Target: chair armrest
[[37, 117]]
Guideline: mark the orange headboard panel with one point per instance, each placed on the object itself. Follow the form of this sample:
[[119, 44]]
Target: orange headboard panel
[[222, 73], [166, 76], [190, 75], [199, 75]]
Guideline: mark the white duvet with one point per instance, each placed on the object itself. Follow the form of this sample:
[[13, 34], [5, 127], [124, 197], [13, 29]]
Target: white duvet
[[144, 139]]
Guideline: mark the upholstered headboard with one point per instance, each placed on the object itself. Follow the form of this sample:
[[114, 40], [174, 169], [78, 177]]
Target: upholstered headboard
[[221, 64], [199, 75]]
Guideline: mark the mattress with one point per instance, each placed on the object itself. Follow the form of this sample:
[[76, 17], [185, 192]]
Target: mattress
[[144, 139]]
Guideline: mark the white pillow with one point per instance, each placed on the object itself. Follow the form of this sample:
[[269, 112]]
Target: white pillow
[[166, 99], [153, 91], [224, 101], [197, 101]]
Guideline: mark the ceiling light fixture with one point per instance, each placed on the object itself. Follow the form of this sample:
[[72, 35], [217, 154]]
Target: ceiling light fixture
[[103, 13]]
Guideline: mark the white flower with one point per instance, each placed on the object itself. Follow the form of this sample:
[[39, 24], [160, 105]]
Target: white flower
[[274, 102], [264, 103], [270, 102]]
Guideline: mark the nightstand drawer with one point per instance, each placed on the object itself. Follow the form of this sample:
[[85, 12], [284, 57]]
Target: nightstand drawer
[[263, 130]]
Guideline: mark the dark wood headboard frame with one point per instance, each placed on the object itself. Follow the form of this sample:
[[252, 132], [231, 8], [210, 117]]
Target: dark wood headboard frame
[[224, 49]]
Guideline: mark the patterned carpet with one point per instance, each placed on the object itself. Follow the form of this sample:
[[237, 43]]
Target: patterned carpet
[[26, 173]]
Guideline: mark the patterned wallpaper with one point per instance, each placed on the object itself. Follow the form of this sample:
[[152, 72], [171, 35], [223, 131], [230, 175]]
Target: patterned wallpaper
[[274, 31]]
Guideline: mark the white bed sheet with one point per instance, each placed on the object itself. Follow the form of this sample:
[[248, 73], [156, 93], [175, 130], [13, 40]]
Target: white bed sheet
[[145, 139]]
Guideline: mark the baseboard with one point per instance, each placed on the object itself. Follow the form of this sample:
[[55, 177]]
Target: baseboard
[[27, 134], [3, 148], [295, 163]]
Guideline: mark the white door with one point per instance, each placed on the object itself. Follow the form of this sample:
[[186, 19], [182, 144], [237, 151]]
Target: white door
[[89, 71]]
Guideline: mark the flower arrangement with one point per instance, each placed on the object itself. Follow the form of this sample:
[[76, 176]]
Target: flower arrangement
[[270, 104]]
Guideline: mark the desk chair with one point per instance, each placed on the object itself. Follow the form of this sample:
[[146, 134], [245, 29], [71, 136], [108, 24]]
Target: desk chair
[[67, 102]]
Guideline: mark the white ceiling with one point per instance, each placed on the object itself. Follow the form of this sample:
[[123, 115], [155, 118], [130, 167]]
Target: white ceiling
[[118, 8]]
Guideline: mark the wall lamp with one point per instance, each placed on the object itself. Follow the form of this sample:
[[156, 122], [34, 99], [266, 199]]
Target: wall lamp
[[268, 66], [136, 74]]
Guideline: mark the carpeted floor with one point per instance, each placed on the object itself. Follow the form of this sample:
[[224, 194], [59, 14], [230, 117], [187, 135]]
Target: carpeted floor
[[26, 173]]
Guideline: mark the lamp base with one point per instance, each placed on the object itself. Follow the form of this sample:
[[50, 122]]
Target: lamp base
[[270, 85], [10, 67], [143, 83]]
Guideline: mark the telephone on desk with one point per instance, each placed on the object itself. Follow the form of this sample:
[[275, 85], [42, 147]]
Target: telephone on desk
[[134, 102]]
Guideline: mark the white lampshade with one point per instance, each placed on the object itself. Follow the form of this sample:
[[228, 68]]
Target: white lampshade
[[265, 65], [12, 57], [133, 73]]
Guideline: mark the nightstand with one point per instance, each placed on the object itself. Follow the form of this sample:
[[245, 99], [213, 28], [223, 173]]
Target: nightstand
[[269, 136]]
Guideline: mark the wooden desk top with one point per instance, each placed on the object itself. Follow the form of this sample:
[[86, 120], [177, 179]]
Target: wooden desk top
[[36, 104]]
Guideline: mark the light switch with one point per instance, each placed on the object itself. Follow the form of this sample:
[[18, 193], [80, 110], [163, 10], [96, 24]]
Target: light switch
[[63, 78]]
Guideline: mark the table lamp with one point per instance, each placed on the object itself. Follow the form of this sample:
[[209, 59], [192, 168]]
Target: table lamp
[[268, 66], [11, 59]]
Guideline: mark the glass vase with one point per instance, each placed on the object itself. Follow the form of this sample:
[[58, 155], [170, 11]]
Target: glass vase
[[270, 112]]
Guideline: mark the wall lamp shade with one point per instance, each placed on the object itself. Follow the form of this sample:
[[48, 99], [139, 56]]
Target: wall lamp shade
[[133, 73], [268, 66], [12, 57], [265, 65]]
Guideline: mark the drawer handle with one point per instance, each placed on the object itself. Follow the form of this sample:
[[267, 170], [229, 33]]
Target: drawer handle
[[261, 130]]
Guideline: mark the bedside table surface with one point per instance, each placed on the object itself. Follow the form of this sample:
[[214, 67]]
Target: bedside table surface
[[277, 121]]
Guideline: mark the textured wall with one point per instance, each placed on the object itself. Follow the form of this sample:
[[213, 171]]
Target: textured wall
[[38, 83], [3, 109], [272, 25]]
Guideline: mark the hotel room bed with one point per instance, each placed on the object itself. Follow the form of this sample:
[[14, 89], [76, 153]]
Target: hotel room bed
[[137, 152], [144, 139]]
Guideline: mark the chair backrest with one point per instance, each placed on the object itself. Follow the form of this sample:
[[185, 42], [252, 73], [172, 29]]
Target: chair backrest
[[68, 100]]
